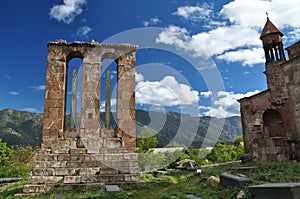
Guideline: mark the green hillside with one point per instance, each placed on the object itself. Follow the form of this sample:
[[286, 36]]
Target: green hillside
[[25, 128]]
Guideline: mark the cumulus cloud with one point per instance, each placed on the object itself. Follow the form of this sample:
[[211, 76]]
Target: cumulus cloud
[[195, 13], [167, 92], [214, 42], [83, 31], [282, 14], [246, 56], [13, 93], [153, 21], [225, 104], [237, 28], [67, 11]]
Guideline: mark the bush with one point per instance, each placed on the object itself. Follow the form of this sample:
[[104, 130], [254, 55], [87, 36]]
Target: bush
[[223, 153], [16, 162]]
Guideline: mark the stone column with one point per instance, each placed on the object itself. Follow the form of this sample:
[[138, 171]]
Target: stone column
[[107, 100], [126, 100], [73, 98], [90, 126], [54, 104]]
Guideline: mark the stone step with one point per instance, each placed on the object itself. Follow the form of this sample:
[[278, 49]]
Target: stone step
[[35, 188]]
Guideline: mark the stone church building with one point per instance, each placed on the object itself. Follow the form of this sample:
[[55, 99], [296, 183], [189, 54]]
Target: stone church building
[[271, 118]]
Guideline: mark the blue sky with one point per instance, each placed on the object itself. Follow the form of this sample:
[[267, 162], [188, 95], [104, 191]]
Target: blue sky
[[226, 31]]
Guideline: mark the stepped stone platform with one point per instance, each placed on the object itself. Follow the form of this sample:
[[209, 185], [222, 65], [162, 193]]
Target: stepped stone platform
[[276, 190], [66, 164]]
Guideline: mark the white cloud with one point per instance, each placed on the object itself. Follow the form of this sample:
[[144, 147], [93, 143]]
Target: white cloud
[[252, 13], [174, 35], [294, 35], [139, 77], [225, 104], [113, 103], [13, 93], [238, 27], [67, 11], [167, 92], [246, 56], [33, 110], [206, 94], [195, 13], [82, 32], [39, 88], [153, 21], [214, 42]]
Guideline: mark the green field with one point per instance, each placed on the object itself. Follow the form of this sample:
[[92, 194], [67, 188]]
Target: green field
[[177, 183]]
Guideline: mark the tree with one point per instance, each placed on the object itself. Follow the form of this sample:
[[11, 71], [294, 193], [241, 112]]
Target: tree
[[146, 140], [5, 153], [220, 153], [238, 140]]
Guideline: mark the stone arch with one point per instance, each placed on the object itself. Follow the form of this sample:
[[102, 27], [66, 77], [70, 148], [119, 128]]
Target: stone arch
[[273, 124], [74, 54], [109, 55]]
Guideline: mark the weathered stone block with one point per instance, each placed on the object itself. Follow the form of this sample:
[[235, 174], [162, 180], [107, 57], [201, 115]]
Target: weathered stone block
[[78, 151], [276, 190], [72, 179], [65, 171], [112, 188], [89, 179], [43, 171], [63, 157], [37, 188], [228, 180], [89, 171]]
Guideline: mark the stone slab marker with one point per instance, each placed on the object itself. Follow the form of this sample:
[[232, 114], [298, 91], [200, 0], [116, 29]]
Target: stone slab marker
[[87, 155], [228, 180], [276, 190]]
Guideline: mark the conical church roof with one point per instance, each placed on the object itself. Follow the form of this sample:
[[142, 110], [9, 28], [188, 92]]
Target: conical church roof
[[269, 28]]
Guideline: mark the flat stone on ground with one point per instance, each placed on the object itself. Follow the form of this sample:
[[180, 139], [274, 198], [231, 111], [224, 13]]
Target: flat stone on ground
[[228, 180], [112, 188], [290, 190], [191, 196]]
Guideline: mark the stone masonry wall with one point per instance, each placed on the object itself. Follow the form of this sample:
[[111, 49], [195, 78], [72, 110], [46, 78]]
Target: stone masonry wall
[[87, 156]]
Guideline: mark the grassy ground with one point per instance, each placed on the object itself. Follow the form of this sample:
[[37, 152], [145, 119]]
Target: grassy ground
[[179, 183]]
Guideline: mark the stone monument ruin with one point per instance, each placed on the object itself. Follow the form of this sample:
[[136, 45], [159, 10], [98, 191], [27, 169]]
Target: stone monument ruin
[[87, 155]]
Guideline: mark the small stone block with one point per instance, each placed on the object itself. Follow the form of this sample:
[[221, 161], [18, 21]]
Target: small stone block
[[276, 190], [228, 180], [112, 188]]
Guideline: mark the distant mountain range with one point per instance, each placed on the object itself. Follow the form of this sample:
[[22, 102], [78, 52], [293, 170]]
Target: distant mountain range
[[25, 128]]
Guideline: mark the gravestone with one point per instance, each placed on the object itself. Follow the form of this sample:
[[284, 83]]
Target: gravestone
[[228, 180], [276, 190]]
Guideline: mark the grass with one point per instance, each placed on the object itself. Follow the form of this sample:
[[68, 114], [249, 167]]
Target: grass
[[179, 183]]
